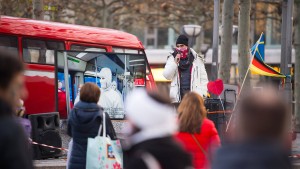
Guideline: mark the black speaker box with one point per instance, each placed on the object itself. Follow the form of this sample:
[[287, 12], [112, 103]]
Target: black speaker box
[[216, 114], [213, 104], [45, 130]]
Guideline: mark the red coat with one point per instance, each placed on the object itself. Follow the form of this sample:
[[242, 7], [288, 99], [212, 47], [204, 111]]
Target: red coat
[[208, 139], [62, 104]]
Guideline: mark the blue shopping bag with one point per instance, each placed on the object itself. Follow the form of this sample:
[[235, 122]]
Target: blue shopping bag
[[102, 152]]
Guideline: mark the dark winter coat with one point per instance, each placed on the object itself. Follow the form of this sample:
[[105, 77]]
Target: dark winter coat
[[83, 123], [252, 155], [14, 146], [165, 151]]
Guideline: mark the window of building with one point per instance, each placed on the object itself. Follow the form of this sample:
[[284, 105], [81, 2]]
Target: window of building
[[162, 38], [150, 42]]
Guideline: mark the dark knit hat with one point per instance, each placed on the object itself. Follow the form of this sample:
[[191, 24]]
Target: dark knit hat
[[182, 39]]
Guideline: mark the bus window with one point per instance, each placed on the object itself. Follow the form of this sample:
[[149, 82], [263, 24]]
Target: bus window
[[149, 77], [127, 70], [115, 74], [9, 43], [61, 78], [137, 68], [124, 50], [87, 48], [40, 51], [92, 79]]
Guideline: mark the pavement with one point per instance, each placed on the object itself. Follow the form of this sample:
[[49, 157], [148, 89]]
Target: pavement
[[296, 150], [50, 164]]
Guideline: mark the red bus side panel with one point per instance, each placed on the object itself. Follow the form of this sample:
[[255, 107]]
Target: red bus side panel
[[40, 82], [150, 83]]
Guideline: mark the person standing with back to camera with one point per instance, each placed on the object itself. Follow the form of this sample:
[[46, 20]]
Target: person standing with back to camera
[[186, 69]]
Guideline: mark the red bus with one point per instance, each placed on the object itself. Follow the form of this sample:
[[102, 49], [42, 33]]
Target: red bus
[[60, 57]]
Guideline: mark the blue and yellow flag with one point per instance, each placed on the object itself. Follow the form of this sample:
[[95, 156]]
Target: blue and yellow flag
[[258, 65]]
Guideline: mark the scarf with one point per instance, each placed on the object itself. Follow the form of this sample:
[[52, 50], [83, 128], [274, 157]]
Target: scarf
[[185, 60]]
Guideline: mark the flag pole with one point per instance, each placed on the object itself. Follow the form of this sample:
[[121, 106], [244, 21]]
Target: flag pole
[[252, 56]]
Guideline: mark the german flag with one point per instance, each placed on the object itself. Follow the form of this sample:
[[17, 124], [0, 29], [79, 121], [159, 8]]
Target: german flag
[[258, 65]]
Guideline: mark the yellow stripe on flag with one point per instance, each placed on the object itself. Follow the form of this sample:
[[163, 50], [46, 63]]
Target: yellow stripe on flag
[[261, 72]]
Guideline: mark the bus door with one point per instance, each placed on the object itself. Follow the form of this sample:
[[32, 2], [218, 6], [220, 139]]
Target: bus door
[[69, 75], [115, 74]]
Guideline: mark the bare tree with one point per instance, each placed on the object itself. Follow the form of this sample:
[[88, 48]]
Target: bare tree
[[130, 15], [226, 40], [297, 64], [38, 11], [19, 8], [243, 41]]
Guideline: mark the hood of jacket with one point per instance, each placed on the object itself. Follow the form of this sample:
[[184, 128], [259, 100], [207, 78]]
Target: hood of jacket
[[84, 114], [195, 54]]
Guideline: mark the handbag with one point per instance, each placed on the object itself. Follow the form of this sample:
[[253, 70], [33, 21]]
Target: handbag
[[102, 152]]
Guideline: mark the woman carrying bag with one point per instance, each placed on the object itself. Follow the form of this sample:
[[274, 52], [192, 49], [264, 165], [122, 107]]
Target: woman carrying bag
[[83, 123], [103, 152], [197, 133]]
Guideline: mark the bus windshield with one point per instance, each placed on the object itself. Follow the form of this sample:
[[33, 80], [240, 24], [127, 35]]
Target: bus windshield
[[115, 73]]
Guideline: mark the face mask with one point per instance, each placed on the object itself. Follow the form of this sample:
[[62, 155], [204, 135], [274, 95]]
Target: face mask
[[183, 51], [114, 87], [103, 82]]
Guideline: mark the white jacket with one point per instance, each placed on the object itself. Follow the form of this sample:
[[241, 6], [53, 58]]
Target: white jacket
[[198, 79]]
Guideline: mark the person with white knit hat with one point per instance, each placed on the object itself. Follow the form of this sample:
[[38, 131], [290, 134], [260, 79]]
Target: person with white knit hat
[[151, 126]]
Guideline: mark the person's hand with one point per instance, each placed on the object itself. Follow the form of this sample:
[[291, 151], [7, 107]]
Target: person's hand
[[177, 58]]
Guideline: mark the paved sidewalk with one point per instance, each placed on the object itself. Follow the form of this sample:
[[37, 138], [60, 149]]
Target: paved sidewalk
[[50, 164], [296, 150]]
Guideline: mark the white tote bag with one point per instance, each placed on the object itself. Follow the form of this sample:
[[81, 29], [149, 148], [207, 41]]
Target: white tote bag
[[102, 152]]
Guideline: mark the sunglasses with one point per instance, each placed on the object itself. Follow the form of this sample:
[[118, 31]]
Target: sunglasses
[[180, 46]]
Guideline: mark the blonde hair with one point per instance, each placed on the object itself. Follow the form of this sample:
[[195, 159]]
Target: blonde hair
[[191, 113]]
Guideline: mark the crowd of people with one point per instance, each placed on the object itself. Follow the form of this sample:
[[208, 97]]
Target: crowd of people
[[163, 131]]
